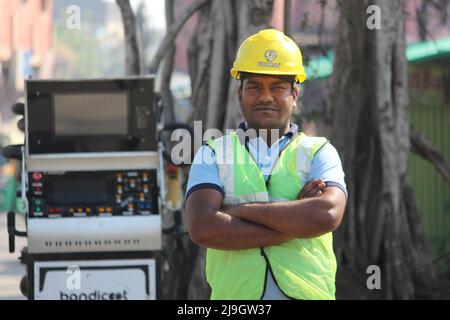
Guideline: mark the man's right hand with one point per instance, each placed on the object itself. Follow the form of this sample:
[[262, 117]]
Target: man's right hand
[[312, 188]]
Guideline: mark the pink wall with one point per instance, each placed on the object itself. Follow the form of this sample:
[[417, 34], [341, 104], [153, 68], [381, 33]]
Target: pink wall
[[25, 25]]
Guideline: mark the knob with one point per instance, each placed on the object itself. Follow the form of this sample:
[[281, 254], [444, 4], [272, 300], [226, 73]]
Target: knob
[[37, 176]]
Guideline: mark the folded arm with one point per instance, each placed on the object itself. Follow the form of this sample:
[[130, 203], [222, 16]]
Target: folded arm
[[208, 225], [305, 218]]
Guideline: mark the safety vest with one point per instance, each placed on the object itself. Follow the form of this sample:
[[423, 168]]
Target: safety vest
[[302, 268]]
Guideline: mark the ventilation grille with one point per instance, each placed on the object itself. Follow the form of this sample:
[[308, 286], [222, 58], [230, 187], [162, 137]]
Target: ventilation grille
[[91, 243]]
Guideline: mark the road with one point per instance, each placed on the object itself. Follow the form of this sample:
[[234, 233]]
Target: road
[[11, 271]]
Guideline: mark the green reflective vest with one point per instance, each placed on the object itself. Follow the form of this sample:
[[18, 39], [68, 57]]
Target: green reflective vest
[[302, 268]]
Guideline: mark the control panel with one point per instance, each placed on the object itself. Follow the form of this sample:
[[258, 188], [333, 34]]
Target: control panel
[[85, 194]]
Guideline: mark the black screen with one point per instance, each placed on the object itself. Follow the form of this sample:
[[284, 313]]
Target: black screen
[[80, 190], [79, 114]]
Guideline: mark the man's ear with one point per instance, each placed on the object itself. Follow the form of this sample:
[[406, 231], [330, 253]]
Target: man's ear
[[295, 94], [239, 94]]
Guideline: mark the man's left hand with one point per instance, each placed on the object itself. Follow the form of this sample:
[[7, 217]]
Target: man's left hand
[[312, 188]]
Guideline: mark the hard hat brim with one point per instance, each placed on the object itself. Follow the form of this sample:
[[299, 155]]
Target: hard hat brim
[[298, 77]]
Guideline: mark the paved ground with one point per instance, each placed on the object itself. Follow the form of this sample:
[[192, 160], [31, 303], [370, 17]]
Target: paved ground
[[11, 271]]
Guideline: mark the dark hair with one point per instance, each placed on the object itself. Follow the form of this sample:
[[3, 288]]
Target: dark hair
[[247, 75]]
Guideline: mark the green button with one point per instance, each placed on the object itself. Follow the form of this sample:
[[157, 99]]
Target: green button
[[38, 209], [37, 202]]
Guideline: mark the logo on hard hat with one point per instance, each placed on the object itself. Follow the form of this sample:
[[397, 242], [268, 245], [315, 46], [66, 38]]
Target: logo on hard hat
[[270, 55]]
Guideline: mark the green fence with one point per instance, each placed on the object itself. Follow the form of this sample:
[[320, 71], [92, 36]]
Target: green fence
[[8, 189], [431, 117]]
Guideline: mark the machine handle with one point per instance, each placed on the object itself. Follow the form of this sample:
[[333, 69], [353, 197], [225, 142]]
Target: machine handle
[[12, 232], [18, 108], [11, 221], [13, 151]]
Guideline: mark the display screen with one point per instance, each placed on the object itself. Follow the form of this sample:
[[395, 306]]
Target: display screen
[[80, 190], [90, 114]]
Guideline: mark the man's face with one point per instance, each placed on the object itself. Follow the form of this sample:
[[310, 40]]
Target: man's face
[[267, 102]]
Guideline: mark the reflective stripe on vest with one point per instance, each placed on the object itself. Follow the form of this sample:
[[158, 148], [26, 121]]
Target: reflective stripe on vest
[[303, 268]]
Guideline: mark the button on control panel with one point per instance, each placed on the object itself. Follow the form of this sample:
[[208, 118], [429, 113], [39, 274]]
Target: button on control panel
[[134, 193], [86, 194]]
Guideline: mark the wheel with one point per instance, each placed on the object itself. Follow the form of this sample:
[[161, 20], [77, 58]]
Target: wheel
[[24, 286]]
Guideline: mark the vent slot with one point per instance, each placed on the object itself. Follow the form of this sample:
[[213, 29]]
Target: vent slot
[[92, 243]]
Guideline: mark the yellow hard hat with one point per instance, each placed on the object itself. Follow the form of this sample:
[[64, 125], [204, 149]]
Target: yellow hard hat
[[269, 52]]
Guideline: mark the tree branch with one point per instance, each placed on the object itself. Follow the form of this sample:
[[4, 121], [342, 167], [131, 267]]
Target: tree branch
[[323, 4], [132, 61], [167, 68], [287, 17], [172, 32], [422, 147]]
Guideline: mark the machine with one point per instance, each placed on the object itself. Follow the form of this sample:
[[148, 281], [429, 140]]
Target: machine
[[93, 189]]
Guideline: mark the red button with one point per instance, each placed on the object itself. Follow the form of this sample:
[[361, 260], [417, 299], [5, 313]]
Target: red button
[[37, 176], [171, 168], [37, 189]]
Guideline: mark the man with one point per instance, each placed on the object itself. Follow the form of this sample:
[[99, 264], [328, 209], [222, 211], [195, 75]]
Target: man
[[268, 231]]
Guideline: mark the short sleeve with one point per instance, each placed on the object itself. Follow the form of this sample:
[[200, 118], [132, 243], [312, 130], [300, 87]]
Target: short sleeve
[[204, 173], [327, 165]]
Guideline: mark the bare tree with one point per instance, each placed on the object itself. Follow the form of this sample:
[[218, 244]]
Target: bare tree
[[371, 129], [221, 28], [423, 13], [167, 69], [287, 17], [132, 62], [426, 150], [172, 33]]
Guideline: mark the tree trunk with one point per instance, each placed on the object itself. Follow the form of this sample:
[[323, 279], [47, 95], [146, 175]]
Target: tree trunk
[[371, 130], [221, 28], [132, 62]]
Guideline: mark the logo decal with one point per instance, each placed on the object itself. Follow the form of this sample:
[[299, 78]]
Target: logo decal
[[270, 55]]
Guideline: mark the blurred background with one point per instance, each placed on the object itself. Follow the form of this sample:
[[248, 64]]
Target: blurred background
[[86, 39]]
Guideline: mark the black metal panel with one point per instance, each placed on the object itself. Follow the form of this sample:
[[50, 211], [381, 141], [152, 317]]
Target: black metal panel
[[140, 123]]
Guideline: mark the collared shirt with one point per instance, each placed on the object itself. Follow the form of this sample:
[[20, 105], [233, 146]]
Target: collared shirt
[[326, 164]]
